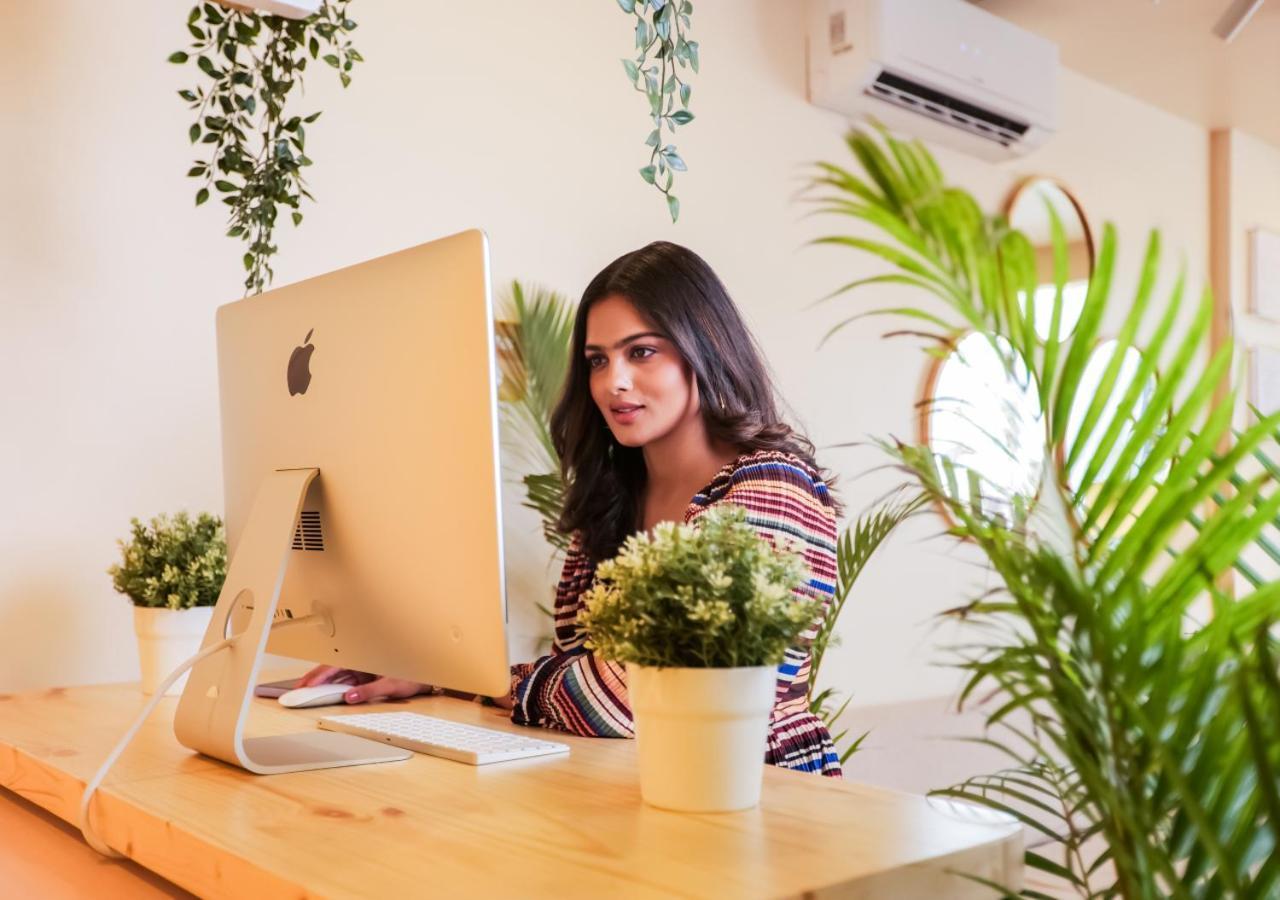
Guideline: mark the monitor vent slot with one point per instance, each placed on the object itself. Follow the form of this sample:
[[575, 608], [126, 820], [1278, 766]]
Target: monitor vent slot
[[935, 104], [307, 535]]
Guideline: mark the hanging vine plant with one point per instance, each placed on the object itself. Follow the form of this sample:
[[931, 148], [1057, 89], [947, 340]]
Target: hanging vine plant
[[662, 50], [252, 62]]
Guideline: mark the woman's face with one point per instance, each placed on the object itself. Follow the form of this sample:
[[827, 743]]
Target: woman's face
[[639, 381]]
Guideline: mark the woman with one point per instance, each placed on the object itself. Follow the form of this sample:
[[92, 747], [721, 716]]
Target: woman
[[667, 410]]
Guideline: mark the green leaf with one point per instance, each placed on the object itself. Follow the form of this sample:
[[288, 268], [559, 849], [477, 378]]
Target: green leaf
[[297, 218], [674, 160], [685, 91], [628, 6], [633, 72], [202, 195], [188, 96], [653, 138], [682, 117], [313, 46], [1148, 729], [194, 132], [178, 57], [311, 118], [206, 65], [673, 206], [693, 55], [225, 187], [196, 32], [647, 173], [331, 59], [247, 259], [196, 171]]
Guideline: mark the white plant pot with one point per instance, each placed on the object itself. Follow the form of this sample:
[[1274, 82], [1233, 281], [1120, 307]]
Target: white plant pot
[[166, 639], [702, 735]]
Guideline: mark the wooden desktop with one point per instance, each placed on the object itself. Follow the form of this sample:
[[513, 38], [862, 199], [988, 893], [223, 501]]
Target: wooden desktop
[[558, 826]]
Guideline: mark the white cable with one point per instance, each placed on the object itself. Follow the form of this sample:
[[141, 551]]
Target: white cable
[[85, 828]]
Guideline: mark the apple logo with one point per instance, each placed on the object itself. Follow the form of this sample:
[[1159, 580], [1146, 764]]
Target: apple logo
[[300, 366]]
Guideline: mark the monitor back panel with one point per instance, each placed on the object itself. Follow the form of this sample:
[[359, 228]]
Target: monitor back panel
[[393, 399]]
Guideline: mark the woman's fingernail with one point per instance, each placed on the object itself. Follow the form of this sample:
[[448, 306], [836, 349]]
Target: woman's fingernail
[[352, 696]]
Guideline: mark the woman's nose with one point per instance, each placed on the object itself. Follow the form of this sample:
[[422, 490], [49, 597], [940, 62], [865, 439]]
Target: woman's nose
[[619, 377]]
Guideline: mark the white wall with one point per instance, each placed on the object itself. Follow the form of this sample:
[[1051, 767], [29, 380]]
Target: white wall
[[1255, 204], [500, 115]]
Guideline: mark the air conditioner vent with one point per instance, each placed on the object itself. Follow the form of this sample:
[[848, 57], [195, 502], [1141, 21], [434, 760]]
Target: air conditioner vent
[[935, 104], [307, 535]]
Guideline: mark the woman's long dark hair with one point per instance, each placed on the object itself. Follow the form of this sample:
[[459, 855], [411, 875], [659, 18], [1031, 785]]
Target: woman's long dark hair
[[675, 290]]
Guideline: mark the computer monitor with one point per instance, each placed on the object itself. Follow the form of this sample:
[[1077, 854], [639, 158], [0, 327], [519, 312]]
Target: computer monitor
[[363, 487]]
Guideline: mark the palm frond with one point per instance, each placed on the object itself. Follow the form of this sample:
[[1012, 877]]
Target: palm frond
[[1130, 720], [533, 342]]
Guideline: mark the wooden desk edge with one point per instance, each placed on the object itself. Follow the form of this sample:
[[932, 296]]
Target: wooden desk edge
[[195, 862]]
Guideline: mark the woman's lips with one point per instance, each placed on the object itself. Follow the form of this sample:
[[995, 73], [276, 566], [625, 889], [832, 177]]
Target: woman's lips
[[625, 415]]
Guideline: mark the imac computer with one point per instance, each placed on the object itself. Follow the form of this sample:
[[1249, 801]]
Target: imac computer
[[362, 481]]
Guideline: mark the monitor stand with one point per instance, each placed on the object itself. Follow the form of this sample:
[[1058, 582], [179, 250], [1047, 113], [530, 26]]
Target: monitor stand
[[215, 703]]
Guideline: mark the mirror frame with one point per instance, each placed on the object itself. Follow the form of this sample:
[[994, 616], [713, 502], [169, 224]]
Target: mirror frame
[[1021, 187], [934, 368]]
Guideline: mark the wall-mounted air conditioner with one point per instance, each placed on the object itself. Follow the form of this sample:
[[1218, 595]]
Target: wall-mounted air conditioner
[[290, 9], [942, 70]]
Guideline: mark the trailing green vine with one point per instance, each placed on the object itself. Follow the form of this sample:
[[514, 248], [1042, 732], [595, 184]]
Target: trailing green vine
[[256, 153], [662, 50]]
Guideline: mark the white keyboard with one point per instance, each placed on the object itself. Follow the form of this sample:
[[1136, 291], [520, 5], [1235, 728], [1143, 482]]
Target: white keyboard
[[440, 737]]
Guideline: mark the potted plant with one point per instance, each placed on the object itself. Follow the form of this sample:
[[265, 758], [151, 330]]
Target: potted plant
[[252, 151], [1127, 650], [172, 569], [701, 616]]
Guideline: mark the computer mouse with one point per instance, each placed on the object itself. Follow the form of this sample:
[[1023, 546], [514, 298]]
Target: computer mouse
[[316, 695]]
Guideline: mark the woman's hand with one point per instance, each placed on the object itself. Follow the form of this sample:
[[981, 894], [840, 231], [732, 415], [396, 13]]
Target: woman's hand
[[365, 687]]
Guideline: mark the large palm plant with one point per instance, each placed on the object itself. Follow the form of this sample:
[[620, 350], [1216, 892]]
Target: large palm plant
[[533, 339], [1136, 698]]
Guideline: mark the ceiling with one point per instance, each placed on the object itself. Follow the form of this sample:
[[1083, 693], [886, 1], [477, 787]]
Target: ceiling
[[1165, 52]]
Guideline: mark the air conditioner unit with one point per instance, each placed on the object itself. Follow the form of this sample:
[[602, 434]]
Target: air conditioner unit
[[290, 9], [942, 70]]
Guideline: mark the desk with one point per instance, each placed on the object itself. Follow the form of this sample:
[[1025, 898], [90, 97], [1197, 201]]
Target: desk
[[560, 826]]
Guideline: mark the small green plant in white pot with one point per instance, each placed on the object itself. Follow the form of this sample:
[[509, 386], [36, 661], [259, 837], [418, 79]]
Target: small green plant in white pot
[[172, 568], [701, 615]]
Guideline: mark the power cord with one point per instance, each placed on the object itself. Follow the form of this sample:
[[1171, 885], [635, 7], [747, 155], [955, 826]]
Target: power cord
[[86, 828]]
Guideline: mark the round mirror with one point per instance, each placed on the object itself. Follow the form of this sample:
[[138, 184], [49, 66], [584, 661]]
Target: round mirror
[[1028, 211], [986, 420]]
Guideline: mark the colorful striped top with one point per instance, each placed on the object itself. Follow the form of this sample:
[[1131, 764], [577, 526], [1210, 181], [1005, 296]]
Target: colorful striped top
[[572, 690]]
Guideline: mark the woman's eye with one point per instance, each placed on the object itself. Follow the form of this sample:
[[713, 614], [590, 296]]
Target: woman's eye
[[647, 351], [592, 361]]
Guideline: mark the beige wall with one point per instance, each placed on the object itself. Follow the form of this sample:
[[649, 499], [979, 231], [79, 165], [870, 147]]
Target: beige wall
[[1254, 204], [491, 114]]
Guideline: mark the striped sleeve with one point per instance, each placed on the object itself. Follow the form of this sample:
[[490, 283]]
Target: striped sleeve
[[786, 502], [571, 689]]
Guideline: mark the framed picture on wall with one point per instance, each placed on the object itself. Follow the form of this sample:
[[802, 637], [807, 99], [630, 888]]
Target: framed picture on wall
[[1264, 286], [1264, 379]]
